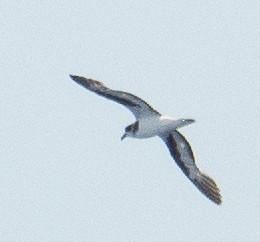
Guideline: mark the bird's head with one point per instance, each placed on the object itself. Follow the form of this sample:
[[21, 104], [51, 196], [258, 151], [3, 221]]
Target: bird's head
[[130, 130]]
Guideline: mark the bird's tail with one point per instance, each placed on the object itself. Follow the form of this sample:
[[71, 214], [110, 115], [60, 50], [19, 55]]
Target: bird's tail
[[179, 123], [208, 187]]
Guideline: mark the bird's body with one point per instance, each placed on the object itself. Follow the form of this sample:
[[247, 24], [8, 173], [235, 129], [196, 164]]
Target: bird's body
[[150, 123], [153, 126], [157, 125]]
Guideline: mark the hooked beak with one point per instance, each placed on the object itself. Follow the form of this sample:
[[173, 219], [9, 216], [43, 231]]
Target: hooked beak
[[125, 135]]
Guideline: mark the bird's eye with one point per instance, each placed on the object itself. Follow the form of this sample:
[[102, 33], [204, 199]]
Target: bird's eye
[[128, 128]]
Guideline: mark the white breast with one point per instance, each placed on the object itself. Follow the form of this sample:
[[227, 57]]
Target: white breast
[[153, 126]]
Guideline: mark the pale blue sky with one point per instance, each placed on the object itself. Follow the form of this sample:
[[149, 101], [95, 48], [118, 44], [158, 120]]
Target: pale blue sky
[[65, 174]]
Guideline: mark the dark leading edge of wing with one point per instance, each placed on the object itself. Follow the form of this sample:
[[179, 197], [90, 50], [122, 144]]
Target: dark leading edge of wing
[[135, 104], [182, 154]]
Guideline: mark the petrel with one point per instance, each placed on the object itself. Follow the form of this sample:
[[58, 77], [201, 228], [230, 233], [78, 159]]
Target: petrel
[[150, 123]]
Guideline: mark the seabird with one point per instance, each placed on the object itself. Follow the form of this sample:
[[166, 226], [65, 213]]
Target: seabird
[[150, 123]]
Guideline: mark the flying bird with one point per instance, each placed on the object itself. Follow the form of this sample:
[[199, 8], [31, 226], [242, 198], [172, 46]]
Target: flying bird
[[150, 123]]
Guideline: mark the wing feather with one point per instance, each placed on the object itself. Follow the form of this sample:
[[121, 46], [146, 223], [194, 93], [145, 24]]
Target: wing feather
[[135, 104], [182, 153]]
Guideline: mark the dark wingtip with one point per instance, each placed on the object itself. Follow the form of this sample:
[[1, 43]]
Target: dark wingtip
[[80, 80], [73, 77], [209, 188]]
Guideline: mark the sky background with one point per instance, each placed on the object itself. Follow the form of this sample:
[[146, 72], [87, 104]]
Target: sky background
[[65, 174]]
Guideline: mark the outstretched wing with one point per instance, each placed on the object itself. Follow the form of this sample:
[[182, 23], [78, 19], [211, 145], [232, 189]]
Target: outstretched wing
[[136, 105], [182, 154]]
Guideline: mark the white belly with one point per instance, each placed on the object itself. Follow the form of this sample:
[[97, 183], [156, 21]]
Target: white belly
[[154, 126]]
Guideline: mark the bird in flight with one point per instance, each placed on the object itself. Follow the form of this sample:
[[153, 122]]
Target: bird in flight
[[150, 123]]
